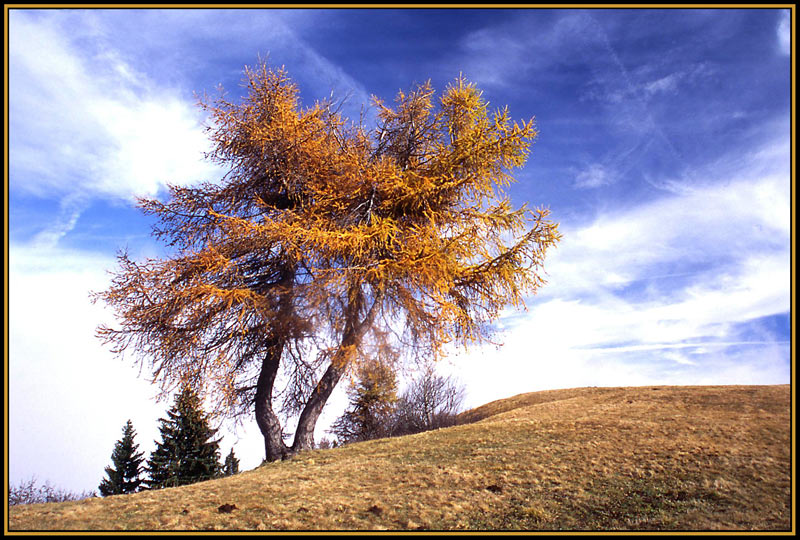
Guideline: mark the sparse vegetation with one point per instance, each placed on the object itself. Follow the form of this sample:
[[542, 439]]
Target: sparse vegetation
[[31, 492], [649, 458], [431, 401], [373, 397]]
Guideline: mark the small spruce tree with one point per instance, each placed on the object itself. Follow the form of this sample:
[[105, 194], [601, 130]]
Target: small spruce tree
[[124, 475], [187, 452], [231, 465]]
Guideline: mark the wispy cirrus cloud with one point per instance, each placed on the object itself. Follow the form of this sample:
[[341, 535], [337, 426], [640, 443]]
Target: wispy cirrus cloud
[[646, 82], [593, 176], [676, 290], [784, 32], [85, 123]]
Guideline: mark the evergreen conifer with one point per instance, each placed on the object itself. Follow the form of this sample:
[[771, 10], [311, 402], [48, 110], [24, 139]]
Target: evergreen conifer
[[187, 452], [231, 465], [124, 475]]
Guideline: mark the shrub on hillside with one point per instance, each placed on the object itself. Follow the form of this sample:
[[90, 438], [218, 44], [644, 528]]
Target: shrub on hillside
[[325, 443], [30, 492], [430, 402]]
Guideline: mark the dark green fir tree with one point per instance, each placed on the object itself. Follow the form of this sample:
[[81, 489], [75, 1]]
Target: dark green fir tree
[[231, 465], [188, 452], [124, 474]]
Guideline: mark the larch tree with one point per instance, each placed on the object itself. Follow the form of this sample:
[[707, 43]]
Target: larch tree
[[373, 398], [328, 242]]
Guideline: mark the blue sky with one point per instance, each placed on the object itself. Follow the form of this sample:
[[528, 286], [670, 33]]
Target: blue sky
[[664, 153]]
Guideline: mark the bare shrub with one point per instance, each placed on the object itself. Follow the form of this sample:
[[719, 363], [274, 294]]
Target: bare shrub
[[31, 492], [430, 402], [324, 443]]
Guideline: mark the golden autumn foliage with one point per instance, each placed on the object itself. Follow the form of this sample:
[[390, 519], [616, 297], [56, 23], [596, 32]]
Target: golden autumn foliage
[[373, 396], [327, 241]]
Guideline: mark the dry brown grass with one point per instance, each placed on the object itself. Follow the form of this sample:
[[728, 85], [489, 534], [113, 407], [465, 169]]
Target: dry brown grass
[[648, 458]]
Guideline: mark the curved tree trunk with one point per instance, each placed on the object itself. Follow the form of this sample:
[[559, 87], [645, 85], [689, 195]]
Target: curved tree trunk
[[354, 331], [268, 422], [304, 436]]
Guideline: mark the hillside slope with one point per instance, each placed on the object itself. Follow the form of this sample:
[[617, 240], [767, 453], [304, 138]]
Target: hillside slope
[[679, 458]]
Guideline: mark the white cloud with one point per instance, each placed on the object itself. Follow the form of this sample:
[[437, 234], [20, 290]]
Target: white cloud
[[730, 221], [667, 292], [82, 121], [595, 175], [68, 397], [85, 117], [562, 344], [703, 311], [784, 32]]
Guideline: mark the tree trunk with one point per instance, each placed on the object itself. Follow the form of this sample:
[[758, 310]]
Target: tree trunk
[[304, 437], [267, 420], [354, 331]]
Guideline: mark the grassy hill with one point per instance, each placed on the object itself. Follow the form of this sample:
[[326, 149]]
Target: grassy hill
[[677, 458]]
